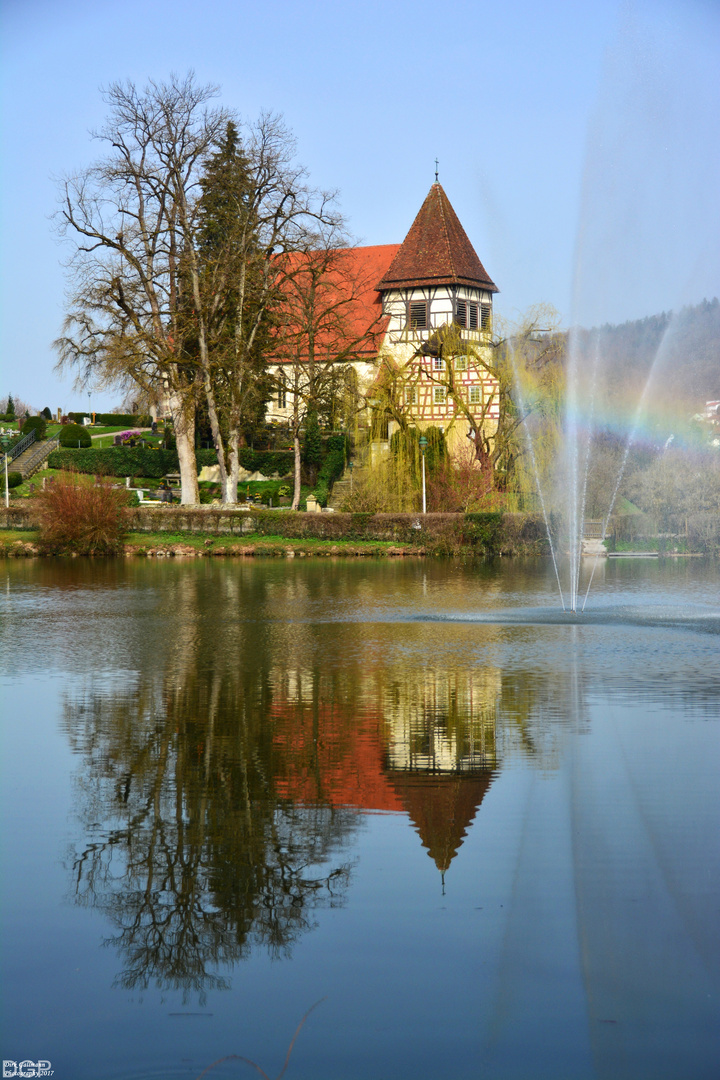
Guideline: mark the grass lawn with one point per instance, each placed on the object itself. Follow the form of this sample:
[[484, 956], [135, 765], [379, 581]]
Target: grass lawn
[[141, 543], [257, 491], [268, 546]]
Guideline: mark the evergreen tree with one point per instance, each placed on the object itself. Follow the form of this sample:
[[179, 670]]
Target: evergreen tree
[[312, 451], [233, 277], [10, 410]]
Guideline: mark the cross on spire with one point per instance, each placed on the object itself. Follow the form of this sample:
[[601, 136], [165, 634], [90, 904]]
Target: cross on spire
[[436, 170]]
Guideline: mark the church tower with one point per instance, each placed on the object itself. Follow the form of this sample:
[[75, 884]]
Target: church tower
[[436, 277], [437, 299]]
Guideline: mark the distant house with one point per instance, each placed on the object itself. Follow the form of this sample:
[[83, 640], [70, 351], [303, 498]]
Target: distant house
[[400, 301]]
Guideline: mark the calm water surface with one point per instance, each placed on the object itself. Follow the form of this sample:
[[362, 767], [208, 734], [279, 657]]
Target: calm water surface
[[483, 832]]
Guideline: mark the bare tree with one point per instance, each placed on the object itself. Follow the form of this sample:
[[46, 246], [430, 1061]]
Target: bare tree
[[320, 331], [135, 301]]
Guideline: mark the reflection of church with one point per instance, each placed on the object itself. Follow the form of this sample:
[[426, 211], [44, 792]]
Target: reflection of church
[[422, 746]]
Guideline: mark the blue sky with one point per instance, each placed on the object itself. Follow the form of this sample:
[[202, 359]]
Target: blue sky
[[578, 141]]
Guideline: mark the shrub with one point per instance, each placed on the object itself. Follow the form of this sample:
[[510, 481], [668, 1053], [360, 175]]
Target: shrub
[[124, 461], [38, 424], [14, 479], [74, 435], [114, 419], [78, 517], [312, 448], [136, 461]]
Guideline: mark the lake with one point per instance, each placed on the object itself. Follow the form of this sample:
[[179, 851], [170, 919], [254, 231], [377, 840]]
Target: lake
[[480, 833]]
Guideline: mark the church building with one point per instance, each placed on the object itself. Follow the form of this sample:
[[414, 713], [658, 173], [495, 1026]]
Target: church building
[[425, 308]]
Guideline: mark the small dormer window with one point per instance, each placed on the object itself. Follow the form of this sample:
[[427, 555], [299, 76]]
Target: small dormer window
[[418, 315]]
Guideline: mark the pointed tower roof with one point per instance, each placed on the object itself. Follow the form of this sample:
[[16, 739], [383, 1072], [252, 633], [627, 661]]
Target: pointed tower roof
[[442, 808], [436, 251]]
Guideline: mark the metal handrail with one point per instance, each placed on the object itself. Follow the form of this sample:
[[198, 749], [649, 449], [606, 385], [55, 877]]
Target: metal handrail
[[17, 449], [42, 451]]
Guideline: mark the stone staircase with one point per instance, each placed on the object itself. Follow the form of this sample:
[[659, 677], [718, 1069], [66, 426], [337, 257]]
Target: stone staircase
[[342, 488], [33, 458]]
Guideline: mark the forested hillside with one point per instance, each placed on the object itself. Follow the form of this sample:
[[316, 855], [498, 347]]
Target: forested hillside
[[686, 345]]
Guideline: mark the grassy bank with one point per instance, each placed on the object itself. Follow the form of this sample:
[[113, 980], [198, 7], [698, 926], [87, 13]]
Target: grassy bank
[[17, 543]]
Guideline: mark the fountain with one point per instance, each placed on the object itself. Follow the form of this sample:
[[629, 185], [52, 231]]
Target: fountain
[[646, 241]]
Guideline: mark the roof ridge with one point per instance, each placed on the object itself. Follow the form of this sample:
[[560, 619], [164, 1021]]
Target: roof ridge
[[441, 192]]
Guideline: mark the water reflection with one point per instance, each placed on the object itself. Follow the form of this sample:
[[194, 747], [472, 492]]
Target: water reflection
[[221, 784], [224, 777], [255, 744], [219, 808]]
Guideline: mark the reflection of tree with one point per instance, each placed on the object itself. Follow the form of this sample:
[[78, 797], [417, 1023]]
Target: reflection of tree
[[195, 860], [215, 787]]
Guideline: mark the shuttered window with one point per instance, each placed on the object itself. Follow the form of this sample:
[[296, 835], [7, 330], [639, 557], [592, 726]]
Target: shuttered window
[[418, 315], [486, 317], [466, 314]]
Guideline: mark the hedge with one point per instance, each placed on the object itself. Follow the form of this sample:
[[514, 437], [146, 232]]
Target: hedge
[[267, 462], [434, 534], [129, 420], [439, 534], [139, 461]]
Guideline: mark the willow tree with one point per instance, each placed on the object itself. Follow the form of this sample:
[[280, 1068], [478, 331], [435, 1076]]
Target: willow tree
[[495, 388], [131, 217]]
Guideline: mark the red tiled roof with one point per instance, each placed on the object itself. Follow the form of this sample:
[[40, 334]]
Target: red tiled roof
[[436, 251], [350, 295]]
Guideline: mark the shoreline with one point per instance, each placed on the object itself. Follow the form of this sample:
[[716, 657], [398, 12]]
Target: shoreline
[[17, 544]]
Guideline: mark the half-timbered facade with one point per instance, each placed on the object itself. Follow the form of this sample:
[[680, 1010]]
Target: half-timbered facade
[[427, 305]]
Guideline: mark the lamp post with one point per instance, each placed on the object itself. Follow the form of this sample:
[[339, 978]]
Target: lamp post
[[423, 444], [5, 440]]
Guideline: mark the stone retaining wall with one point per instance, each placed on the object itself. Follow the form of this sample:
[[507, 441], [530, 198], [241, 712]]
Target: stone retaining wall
[[440, 533]]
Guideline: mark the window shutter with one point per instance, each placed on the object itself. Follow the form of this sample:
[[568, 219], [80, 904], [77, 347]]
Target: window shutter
[[418, 315]]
